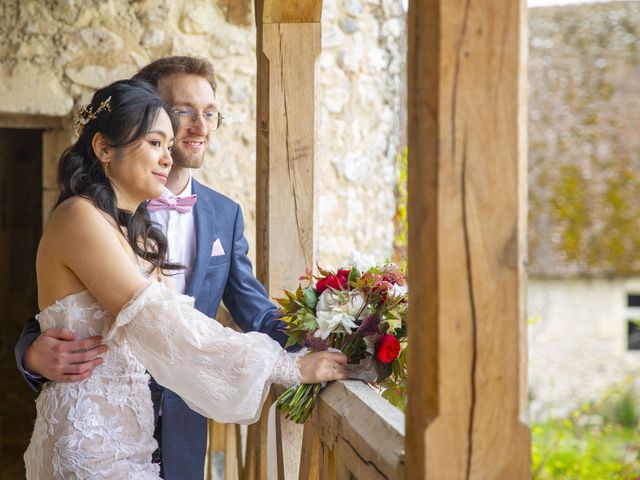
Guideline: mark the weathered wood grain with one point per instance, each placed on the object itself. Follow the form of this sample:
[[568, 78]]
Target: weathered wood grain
[[467, 213], [291, 11], [287, 52], [362, 430]]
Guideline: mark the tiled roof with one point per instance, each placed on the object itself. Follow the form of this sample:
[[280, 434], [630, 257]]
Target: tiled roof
[[584, 140]]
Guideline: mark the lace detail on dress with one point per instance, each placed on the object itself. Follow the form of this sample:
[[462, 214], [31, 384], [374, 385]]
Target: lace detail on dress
[[286, 370], [218, 372], [102, 427]]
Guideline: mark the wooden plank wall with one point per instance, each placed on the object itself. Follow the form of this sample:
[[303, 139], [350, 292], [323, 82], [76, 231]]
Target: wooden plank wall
[[466, 416]]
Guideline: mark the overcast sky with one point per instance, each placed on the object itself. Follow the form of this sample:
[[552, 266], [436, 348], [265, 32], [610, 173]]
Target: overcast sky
[[545, 3]]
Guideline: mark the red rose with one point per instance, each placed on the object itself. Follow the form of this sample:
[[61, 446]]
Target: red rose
[[388, 348], [343, 275], [330, 281], [337, 281]]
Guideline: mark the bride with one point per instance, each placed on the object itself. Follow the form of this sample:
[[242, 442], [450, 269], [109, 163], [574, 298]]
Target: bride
[[100, 267]]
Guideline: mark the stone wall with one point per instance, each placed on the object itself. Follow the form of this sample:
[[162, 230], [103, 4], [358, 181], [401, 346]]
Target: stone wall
[[578, 342], [362, 70], [56, 52]]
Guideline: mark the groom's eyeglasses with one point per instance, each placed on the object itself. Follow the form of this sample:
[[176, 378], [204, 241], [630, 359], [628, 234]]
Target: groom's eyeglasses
[[187, 118]]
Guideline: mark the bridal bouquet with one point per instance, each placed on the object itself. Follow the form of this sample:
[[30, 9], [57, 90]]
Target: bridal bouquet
[[359, 311]]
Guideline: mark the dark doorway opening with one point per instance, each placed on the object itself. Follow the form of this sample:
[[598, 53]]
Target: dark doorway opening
[[20, 230]]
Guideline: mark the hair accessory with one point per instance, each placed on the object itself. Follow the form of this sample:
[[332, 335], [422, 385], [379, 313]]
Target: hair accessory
[[86, 114]]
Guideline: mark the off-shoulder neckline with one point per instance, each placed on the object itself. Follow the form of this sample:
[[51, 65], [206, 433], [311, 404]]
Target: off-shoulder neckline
[[81, 293], [65, 299]]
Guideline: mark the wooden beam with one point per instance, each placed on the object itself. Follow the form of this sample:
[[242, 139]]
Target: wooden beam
[[25, 120], [286, 138], [288, 46], [289, 11], [327, 464], [310, 455], [255, 464], [233, 452], [467, 211], [364, 432]]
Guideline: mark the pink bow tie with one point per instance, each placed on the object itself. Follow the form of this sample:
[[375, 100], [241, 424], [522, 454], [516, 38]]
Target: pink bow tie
[[179, 204]]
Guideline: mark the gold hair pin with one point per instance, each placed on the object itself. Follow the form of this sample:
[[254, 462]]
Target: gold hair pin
[[86, 114]]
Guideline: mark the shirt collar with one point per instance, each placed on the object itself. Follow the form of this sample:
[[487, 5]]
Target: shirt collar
[[184, 193]]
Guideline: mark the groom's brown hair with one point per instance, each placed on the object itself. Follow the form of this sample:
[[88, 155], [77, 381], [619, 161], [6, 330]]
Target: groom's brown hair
[[163, 67]]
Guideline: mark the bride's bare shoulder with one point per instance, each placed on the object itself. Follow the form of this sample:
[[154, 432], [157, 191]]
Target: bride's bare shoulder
[[74, 207], [79, 213], [76, 219]]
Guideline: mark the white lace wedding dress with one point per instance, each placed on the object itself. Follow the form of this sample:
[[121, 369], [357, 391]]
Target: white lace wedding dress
[[103, 426]]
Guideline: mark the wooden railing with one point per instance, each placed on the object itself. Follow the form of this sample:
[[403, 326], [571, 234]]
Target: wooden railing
[[353, 433]]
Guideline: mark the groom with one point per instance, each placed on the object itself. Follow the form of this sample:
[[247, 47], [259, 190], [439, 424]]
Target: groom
[[207, 236]]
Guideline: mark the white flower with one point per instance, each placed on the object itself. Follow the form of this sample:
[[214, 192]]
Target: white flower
[[338, 311], [330, 321], [397, 290], [361, 261], [327, 300]]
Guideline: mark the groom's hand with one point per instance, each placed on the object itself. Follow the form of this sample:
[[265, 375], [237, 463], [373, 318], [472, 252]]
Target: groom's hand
[[58, 356]]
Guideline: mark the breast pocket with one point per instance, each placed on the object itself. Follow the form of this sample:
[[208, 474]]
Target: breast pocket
[[219, 260], [215, 282]]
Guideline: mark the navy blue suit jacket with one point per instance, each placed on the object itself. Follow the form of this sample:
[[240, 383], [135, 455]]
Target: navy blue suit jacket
[[227, 277]]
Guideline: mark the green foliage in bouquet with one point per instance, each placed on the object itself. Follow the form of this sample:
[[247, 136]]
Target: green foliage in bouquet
[[394, 387], [358, 311]]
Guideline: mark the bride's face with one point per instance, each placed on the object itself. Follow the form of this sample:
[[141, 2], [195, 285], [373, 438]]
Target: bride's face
[[140, 171]]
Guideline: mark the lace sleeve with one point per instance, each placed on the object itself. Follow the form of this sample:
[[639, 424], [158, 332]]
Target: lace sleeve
[[286, 370], [218, 372]]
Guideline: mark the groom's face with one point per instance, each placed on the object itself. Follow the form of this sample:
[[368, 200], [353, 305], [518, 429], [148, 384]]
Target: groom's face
[[191, 93]]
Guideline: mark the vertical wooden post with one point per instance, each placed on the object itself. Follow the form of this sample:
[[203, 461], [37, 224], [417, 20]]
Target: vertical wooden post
[[327, 464], [255, 464], [287, 49], [310, 455], [466, 415], [233, 453], [288, 46]]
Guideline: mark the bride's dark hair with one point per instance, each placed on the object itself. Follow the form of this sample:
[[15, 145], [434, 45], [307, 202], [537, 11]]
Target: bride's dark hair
[[123, 112]]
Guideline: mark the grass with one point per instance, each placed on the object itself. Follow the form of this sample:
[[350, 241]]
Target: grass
[[597, 442]]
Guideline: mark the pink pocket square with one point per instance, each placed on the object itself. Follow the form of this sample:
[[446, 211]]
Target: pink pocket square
[[217, 249]]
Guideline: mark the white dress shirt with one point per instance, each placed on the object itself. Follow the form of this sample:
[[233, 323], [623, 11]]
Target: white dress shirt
[[180, 230]]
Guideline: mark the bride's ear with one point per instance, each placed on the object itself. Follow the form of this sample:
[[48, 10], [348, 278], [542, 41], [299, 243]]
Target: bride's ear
[[102, 148]]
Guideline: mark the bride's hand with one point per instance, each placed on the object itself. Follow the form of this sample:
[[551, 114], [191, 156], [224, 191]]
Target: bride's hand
[[323, 367]]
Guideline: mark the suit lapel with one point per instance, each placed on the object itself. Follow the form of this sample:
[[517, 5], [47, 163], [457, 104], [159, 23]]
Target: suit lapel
[[204, 222]]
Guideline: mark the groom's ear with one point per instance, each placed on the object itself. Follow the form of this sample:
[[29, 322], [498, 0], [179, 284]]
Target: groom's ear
[[102, 148]]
